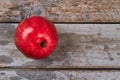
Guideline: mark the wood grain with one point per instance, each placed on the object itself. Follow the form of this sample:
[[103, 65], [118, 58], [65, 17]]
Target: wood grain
[[58, 75], [80, 46], [61, 10]]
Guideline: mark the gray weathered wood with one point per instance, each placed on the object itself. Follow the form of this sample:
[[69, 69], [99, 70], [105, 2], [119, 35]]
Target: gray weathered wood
[[58, 75], [61, 10], [80, 46]]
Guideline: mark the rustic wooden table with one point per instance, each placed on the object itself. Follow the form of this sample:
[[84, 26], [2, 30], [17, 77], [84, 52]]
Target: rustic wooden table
[[89, 40]]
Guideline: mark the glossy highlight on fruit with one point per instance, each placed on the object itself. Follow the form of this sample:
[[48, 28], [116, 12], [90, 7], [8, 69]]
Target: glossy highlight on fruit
[[36, 37]]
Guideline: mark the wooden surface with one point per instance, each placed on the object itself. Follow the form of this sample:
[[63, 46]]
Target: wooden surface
[[61, 10], [58, 75], [92, 47], [80, 46], [85, 51]]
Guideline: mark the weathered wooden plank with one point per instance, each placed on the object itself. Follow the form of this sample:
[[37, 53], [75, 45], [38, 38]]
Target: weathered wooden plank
[[80, 46], [61, 10], [58, 75]]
